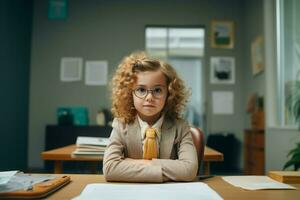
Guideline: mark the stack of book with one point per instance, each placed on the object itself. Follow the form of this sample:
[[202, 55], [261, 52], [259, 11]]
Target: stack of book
[[90, 146], [285, 176]]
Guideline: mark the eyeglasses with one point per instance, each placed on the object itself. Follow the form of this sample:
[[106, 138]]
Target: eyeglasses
[[142, 92]]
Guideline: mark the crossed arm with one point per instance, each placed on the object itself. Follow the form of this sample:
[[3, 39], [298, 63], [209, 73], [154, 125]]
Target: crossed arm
[[117, 167]]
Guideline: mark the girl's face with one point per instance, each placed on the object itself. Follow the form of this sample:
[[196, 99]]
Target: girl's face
[[149, 95]]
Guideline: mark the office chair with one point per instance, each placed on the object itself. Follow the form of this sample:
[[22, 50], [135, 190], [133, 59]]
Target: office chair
[[198, 139]]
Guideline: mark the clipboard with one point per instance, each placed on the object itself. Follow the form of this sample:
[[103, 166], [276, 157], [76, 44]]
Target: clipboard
[[38, 190]]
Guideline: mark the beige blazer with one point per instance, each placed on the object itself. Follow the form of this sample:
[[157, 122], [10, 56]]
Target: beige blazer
[[123, 158]]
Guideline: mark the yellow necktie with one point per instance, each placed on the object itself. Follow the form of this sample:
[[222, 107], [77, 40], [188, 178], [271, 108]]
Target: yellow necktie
[[150, 145]]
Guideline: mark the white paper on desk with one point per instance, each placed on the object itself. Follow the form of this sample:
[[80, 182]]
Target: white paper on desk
[[111, 191], [256, 182], [6, 176]]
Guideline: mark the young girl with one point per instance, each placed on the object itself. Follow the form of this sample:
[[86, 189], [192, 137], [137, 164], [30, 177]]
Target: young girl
[[149, 142]]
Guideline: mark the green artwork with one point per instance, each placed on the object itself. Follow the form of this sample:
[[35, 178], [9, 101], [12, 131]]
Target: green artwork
[[57, 9]]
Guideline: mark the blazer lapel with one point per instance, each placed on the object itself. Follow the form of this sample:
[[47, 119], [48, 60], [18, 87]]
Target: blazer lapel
[[168, 133], [134, 140]]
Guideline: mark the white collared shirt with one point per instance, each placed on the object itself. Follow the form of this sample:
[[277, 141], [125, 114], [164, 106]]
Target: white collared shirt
[[144, 125]]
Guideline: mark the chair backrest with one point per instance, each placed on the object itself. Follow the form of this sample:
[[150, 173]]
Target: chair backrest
[[199, 141]]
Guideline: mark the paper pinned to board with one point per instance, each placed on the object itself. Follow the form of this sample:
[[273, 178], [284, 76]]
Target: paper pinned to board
[[70, 69], [222, 102], [256, 182], [96, 72], [187, 191]]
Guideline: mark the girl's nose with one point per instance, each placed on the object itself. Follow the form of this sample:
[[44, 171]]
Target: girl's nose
[[149, 96]]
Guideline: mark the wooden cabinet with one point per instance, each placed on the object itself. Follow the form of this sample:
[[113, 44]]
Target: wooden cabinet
[[254, 152]]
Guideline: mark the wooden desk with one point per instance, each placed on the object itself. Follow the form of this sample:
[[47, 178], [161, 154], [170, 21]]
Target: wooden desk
[[211, 155], [224, 189], [64, 154]]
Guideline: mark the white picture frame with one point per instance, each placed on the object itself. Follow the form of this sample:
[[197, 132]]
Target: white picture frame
[[222, 70]]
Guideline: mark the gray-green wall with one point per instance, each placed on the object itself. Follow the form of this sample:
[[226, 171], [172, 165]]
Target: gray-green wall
[[254, 25], [15, 35], [109, 30]]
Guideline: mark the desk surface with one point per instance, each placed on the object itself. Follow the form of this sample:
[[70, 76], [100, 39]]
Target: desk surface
[[64, 153], [224, 189]]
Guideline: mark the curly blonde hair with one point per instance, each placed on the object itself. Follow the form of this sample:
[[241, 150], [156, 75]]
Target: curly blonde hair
[[125, 78]]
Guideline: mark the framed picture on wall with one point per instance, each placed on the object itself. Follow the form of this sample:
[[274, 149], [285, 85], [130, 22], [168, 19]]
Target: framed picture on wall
[[257, 55], [222, 34], [57, 9], [222, 70]]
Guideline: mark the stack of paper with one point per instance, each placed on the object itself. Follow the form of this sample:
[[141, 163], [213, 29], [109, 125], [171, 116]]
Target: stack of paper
[[11, 181], [90, 146], [6, 176]]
